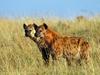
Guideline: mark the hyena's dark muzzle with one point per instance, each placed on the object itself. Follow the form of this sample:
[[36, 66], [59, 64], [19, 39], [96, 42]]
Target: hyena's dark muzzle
[[27, 33], [37, 34]]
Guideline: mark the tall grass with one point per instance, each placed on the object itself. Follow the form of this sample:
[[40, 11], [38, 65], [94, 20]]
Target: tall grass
[[20, 56]]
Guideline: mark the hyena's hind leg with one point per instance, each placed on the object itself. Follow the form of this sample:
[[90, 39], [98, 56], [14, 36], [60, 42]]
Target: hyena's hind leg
[[84, 58], [85, 52]]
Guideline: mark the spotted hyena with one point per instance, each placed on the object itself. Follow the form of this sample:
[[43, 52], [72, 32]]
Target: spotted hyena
[[68, 47], [29, 32]]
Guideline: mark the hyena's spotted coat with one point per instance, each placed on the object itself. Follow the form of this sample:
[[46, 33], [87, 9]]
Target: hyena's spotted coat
[[68, 47]]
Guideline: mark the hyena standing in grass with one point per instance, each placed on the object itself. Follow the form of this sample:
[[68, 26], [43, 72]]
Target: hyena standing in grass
[[68, 47], [29, 32]]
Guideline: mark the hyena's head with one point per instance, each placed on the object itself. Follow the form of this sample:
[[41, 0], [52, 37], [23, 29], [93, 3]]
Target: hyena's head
[[40, 30], [29, 30]]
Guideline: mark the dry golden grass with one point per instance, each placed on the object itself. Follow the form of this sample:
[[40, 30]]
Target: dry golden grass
[[20, 56]]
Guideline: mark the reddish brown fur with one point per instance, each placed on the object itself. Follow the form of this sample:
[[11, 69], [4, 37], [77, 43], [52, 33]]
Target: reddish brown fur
[[68, 47]]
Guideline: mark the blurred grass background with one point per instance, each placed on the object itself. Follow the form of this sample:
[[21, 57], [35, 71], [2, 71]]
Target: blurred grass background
[[20, 56]]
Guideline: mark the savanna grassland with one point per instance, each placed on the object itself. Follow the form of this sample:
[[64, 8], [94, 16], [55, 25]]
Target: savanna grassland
[[20, 56]]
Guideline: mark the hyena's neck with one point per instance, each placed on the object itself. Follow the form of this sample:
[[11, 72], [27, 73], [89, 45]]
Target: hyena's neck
[[50, 36], [34, 39]]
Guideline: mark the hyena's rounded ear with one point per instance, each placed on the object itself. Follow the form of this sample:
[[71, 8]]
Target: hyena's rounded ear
[[35, 26], [45, 25], [24, 26]]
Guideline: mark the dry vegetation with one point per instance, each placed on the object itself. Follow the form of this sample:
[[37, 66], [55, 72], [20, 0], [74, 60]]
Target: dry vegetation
[[20, 56]]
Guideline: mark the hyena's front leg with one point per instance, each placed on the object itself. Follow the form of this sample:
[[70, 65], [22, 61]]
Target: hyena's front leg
[[45, 55], [54, 58]]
